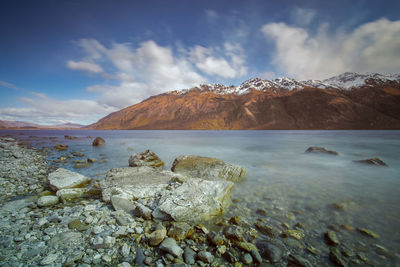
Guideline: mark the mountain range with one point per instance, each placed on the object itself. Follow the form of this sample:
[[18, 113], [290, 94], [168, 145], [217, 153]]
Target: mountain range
[[346, 101], [27, 125]]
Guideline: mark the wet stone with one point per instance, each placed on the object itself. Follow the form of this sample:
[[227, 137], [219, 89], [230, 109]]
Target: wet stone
[[321, 150], [216, 238], [47, 201], [372, 162], [234, 233], [367, 232], [269, 251], [296, 234], [331, 238], [298, 261], [334, 256], [265, 229], [247, 259]]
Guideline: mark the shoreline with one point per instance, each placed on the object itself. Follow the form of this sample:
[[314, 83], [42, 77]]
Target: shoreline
[[89, 232]]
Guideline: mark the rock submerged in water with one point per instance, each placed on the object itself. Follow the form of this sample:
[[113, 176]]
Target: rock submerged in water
[[63, 178], [61, 147], [47, 201], [322, 150], [208, 168], [98, 141], [146, 158], [372, 162], [191, 201]]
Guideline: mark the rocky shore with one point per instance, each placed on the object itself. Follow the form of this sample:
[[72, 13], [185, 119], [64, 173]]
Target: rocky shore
[[144, 215]]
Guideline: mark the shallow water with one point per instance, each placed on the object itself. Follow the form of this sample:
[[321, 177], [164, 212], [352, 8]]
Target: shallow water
[[288, 184]]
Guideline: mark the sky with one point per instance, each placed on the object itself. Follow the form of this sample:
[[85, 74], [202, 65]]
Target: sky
[[79, 60]]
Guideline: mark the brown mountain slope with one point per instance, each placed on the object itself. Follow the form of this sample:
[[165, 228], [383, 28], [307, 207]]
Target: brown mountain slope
[[370, 107]]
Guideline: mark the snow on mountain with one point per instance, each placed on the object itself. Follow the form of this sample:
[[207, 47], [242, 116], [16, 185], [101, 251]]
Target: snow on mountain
[[349, 80], [345, 81]]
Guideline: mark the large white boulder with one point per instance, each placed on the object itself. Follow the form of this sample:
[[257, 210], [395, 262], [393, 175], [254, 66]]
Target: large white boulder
[[63, 178], [208, 168]]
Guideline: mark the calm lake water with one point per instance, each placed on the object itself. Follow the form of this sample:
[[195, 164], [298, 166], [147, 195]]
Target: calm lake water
[[288, 184]]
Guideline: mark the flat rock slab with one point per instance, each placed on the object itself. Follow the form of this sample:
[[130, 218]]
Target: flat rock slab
[[208, 168], [191, 201], [63, 178], [197, 200], [321, 150], [135, 183], [372, 162]]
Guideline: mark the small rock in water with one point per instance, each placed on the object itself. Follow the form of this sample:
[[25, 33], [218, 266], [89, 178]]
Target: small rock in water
[[296, 234], [234, 233], [368, 232], [316, 149], [47, 201], [334, 256], [61, 147], [146, 158], [265, 229], [215, 238], [270, 251], [247, 259], [332, 238], [296, 260], [372, 162], [98, 141], [169, 245], [91, 160]]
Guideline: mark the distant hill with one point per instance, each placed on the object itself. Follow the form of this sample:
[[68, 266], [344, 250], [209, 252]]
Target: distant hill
[[27, 125], [347, 101]]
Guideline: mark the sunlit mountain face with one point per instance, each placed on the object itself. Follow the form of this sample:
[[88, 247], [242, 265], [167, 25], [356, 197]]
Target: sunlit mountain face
[[347, 101]]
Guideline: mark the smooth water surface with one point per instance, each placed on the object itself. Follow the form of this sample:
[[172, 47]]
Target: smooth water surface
[[281, 179]]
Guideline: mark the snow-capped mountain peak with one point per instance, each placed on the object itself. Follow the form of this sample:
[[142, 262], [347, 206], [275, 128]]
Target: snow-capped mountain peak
[[345, 81]]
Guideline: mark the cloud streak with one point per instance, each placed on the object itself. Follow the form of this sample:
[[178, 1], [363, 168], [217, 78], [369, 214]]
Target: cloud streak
[[371, 47], [9, 85], [84, 66], [44, 110]]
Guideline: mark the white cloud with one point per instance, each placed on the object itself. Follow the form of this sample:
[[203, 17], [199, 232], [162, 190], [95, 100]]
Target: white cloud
[[44, 110], [372, 47], [85, 66], [92, 47], [151, 69], [229, 64], [8, 85]]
